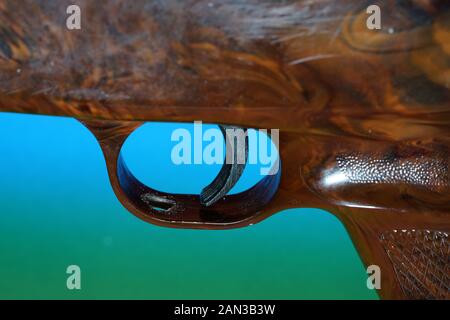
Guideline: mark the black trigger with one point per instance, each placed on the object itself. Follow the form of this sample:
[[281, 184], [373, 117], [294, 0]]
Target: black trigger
[[232, 169]]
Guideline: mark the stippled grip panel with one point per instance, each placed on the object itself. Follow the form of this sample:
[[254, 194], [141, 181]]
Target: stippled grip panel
[[419, 170], [383, 176], [421, 260]]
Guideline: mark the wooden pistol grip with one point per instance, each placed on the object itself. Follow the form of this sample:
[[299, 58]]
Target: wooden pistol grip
[[394, 199], [411, 250]]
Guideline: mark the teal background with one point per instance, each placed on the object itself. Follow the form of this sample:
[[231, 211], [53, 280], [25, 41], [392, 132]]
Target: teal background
[[57, 208]]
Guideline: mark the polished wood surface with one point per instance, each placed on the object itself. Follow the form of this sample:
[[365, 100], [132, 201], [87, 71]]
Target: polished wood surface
[[364, 115]]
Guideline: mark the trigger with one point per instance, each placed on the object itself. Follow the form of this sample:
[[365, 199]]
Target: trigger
[[232, 169]]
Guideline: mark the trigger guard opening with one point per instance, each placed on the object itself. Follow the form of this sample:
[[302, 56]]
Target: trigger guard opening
[[181, 210]]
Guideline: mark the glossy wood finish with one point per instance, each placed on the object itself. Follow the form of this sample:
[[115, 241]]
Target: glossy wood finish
[[364, 116]]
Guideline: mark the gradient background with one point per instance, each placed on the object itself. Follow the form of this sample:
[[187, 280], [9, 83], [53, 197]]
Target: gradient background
[[57, 208]]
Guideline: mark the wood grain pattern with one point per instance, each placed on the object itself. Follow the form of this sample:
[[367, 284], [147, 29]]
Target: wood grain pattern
[[364, 115]]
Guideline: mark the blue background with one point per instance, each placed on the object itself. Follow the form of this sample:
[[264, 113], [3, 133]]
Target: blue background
[[57, 208]]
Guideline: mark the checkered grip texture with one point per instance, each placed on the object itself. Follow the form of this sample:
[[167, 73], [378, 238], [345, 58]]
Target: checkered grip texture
[[421, 262]]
